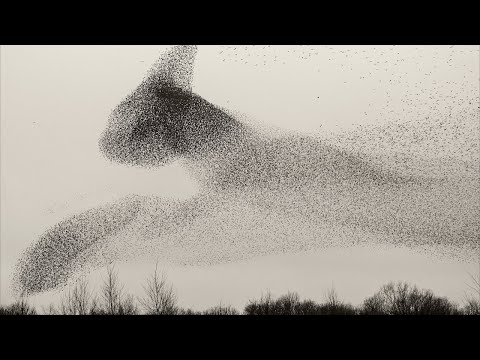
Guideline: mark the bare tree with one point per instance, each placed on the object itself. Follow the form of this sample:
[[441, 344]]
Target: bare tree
[[264, 306], [181, 311], [79, 300], [404, 299], [50, 310], [374, 305], [160, 298], [331, 297], [288, 304], [308, 307], [334, 306], [114, 300], [472, 307], [221, 310], [111, 292], [19, 307], [472, 300], [128, 306], [475, 283]]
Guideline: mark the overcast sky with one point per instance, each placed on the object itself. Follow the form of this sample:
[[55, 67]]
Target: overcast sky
[[55, 101]]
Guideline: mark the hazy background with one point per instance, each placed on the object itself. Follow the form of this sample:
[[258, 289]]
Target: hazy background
[[55, 101]]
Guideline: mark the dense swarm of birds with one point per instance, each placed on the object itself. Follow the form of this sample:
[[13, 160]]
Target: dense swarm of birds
[[262, 194], [162, 119], [69, 245]]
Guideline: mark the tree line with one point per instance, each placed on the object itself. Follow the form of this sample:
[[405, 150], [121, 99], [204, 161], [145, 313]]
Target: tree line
[[159, 298]]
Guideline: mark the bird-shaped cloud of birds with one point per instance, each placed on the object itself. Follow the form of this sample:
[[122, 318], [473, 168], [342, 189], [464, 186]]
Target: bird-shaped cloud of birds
[[260, 193]]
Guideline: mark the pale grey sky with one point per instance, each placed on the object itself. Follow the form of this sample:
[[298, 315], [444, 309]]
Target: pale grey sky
[[55, 101]]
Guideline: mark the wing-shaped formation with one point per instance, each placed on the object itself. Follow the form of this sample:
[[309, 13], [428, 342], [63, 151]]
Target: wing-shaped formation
[[68, 246]]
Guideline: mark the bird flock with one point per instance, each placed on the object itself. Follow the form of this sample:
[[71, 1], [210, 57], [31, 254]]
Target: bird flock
[[263, 194]]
